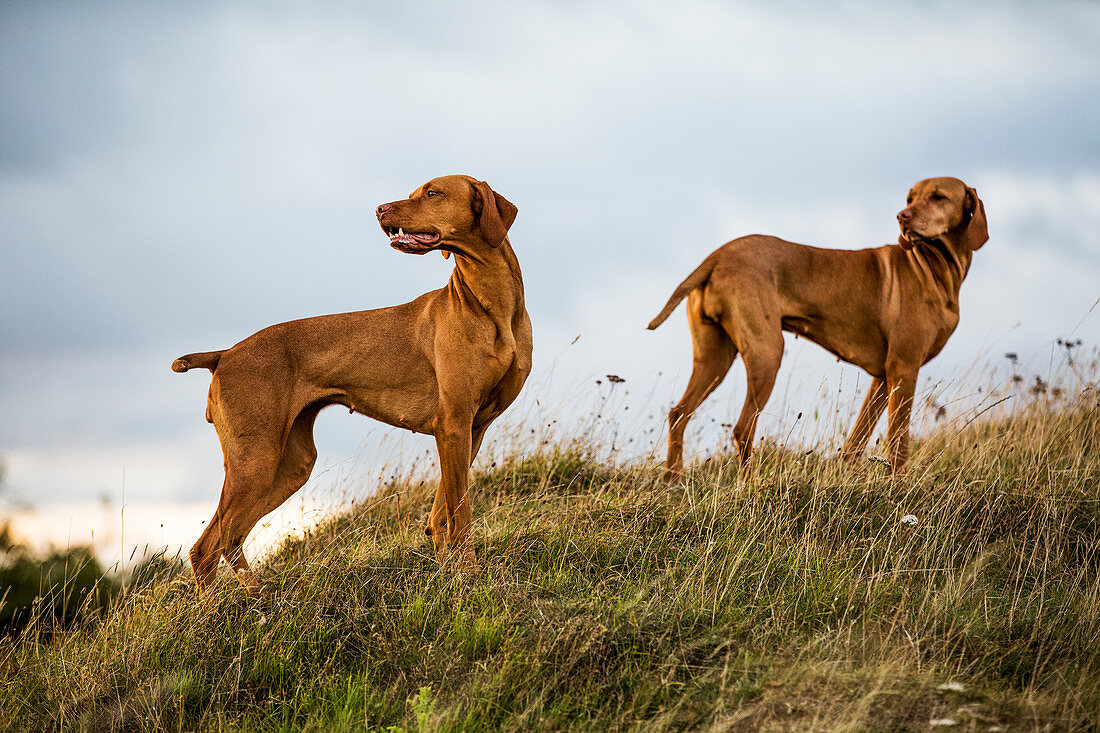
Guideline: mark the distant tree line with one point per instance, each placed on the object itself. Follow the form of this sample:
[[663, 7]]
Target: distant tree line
[[53, 589]]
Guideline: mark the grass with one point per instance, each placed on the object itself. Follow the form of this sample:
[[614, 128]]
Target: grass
[[607, 600]]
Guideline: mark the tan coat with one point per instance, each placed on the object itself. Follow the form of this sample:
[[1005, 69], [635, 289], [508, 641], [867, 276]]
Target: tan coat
[[887, 310], [446, 364]]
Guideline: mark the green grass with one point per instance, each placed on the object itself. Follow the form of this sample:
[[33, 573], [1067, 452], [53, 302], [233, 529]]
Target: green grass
[[607, 600]]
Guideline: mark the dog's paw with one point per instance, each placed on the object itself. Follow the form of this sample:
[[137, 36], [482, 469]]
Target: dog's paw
[[461, 558], [467, 558]]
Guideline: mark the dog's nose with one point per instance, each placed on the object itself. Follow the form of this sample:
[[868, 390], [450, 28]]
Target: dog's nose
[[905, 215], [383, 209]]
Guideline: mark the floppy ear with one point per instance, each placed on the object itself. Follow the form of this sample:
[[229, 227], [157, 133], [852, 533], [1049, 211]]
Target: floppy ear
[[977, 233], [496, 215]]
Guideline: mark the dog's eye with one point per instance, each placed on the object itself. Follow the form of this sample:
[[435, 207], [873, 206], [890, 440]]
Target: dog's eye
[[938, 197], [431, 193]]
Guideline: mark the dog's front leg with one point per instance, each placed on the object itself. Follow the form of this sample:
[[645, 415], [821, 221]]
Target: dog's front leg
[[901, 383], [873, 405], [452, 517]]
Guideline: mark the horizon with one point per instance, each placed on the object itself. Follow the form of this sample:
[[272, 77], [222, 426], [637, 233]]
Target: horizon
[[173, 180]]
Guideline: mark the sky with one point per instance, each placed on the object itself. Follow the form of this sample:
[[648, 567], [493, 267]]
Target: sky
[[176, 177]]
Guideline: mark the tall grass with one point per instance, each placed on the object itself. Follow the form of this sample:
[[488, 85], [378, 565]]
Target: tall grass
[[812, 595]]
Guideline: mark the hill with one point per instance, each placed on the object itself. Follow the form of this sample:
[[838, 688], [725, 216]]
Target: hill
[[962, 596]]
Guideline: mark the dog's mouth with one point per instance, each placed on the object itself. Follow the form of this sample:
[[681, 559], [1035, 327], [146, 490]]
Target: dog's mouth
[[401, 239], [914, 236]]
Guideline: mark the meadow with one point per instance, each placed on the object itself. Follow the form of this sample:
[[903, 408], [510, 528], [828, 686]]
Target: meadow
[[812, 595]]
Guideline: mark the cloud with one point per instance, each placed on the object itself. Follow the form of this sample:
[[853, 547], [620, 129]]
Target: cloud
[[174, 179], [1057, 215], [137, 470]]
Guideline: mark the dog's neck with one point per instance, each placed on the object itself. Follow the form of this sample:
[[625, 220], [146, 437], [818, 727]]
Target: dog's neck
[[492, 278], [942, 261]]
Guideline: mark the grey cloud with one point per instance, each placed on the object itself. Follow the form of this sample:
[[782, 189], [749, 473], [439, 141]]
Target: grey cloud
[[174, 178]]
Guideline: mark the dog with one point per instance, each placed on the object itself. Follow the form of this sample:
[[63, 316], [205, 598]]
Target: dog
[[888, 310], [445, 364]]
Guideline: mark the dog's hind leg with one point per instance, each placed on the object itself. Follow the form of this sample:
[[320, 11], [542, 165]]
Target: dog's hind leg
[[762, 353], [263, 466], [297, 461], [246, 483], [712, 354], [206, 553]]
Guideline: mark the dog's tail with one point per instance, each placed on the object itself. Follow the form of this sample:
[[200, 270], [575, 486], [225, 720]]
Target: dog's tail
[[696, 279], [202, 360]]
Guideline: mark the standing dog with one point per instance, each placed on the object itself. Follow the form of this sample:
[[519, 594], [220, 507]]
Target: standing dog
[[446, 364], [888, 310]]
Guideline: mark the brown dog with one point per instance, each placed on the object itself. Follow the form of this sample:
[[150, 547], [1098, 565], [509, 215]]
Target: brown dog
[[888, 310], [446, 364]]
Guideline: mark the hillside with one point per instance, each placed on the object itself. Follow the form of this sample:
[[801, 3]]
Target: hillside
[[813, 596]]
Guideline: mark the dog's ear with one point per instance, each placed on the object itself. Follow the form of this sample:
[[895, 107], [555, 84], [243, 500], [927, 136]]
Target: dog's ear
[[495, 213], [977, 232]]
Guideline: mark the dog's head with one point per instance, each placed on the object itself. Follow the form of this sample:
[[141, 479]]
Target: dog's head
[[451, 213], [943, 208]]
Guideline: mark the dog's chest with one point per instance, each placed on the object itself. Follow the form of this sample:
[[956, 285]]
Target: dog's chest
[[949, 319]]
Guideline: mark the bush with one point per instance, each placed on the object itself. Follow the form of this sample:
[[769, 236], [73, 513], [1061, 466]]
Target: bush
[[49, 591]]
